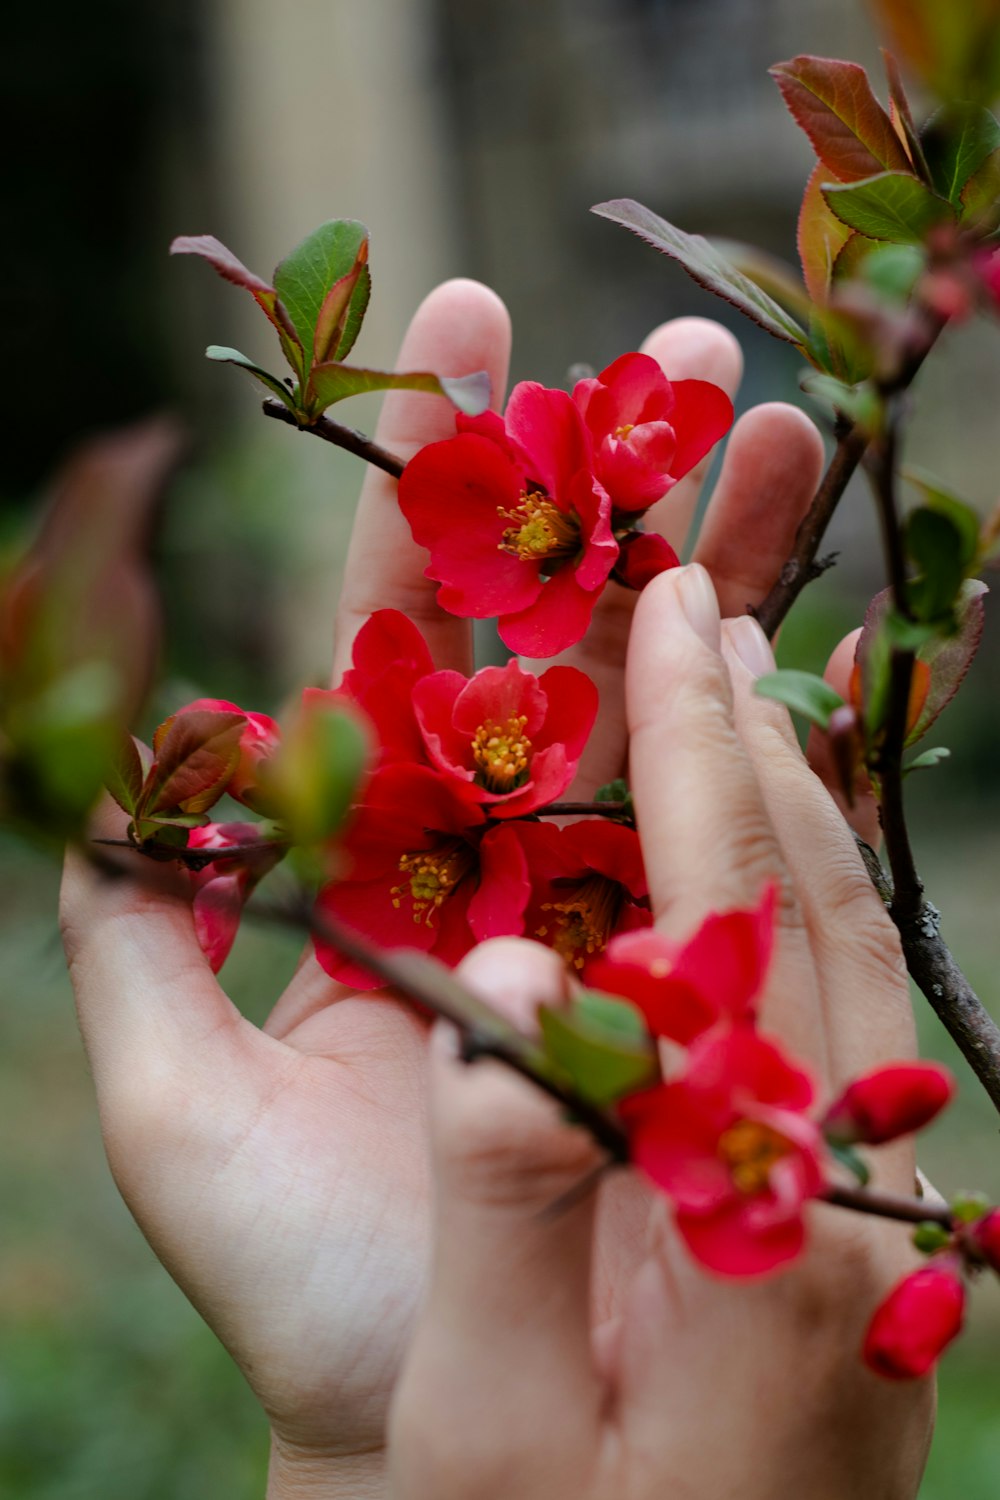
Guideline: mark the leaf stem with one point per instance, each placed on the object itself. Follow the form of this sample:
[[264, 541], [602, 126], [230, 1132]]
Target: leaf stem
[[348, 438]]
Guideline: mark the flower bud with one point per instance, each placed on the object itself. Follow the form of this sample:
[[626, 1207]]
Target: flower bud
[[917, 1321], [984, 1236], [890, 1102], [643, 554]]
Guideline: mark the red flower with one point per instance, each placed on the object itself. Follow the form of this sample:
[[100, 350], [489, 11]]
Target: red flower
[[389, 657], [682, 991], [260, 739], [512, 739], [425, 871], [222, 888], [892, 1101], [516, 523], [729, 1143], [587, 883], [648, 432], [917, 1321]]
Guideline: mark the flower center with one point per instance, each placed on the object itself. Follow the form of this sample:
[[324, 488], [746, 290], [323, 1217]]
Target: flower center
[[583, 923], [750, 1150], [433, 875], [540, 529], [621, 433], [502, 753]]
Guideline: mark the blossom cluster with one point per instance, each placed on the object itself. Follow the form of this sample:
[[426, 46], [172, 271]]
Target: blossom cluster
[[527, 517]]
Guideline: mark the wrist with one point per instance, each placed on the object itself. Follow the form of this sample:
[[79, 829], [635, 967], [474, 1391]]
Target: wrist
[[297, 1474]]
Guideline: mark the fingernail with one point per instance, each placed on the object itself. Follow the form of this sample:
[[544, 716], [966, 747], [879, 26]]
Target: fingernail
[[751, 646], [700, 606]]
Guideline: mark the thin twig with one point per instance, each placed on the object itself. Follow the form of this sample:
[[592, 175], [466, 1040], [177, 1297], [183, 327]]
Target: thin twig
[[887, 1205], [617, 810], [348, 438], [802, 566]]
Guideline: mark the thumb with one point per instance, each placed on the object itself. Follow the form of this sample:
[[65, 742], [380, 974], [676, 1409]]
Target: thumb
[[499, 1385]]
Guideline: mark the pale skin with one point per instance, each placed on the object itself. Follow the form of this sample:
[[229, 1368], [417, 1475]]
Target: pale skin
[[281, 1175]]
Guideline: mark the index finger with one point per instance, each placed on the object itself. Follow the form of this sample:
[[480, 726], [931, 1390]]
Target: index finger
[[461, 327]]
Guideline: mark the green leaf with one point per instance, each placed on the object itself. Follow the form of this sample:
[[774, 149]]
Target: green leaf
[[803, 692], [303, 278], [602, 1061], [851, 1159], [957, 140], [332, 382], [892, 206], [833, 103], [927, 758], [968, 1207], [277, 387], [935, 545], [312, 780], [613, 1014], [343, 310], [981, 197], [930, 1237], [893, 270], [859, 403], [939, 498], [710, 269], [617, 791], [126, 774]]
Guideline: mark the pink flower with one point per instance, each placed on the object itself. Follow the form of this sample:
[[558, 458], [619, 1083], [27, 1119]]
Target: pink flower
[[587, 883], [917, 1321], [647, 431], [892, 1101], [222, 887], [512, 739], [259, 740], [682, 990], [731, 1145], [425, 871], [389, 658], [516, 524]]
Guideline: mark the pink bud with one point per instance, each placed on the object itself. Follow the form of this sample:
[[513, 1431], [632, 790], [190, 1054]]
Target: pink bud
[[985, 1237], [917, 1321], [890, 1102], [643, 554]]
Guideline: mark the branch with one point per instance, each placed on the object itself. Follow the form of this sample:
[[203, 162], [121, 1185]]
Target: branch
[[342, 437], [619, 810], [802, 566], [887, 1205]]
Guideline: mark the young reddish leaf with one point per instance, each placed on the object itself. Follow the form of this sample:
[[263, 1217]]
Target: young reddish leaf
[[705, 264], [305, 276], [957, 139], [231, 269], [903, 114], [339, 320], [981, 197], [195, 757], [821, 236], [332, 382], [953, 47], [311, 781], [949, 658], [127, 772], [834, 104], [892, 206], [277, 387]]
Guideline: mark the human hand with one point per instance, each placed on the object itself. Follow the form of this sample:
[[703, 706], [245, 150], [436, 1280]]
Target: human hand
[[280, 1174], [695, 1386]]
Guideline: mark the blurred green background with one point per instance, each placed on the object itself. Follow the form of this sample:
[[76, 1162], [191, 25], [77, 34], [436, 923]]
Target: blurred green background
[[472, 140]]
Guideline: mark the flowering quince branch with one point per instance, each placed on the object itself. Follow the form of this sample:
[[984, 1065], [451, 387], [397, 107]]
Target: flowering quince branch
[[348, 438]]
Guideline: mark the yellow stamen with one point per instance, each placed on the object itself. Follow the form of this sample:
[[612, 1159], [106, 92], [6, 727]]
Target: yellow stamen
[[584, 921], [502, 752], [622, 432], [541, 529], [750, 1149], [433, 875]]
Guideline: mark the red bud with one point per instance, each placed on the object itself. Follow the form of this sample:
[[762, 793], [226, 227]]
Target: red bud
[[917, 1321], [890, 1102], [985, 1237], [643, 554]]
